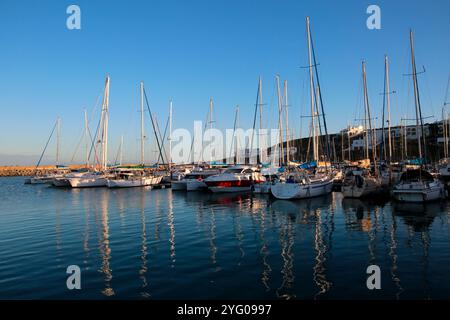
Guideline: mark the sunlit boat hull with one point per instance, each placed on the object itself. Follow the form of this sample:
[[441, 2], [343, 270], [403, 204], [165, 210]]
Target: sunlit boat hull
[[136, 182], [89, 182]]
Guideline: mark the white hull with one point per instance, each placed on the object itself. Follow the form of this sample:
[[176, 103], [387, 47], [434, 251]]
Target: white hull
[[88, 182], [418, 192], [195, 185], [287, 191], [136, 182]]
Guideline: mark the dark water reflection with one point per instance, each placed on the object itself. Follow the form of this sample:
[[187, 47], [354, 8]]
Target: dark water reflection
[[158, 244]]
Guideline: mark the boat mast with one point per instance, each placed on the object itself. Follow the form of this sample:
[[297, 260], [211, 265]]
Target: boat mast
[[142, 124], [419, 123], [369, 120], [86, 136], [445, 120], [58, 138], [260, 121], [170, 135], [121, 150], [211, 107], [388, 101], [280, 122], [233, 143], [311, 91], [287, 119], [104, 141]]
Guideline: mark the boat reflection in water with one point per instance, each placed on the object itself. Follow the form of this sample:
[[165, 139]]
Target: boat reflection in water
[[159, 244]]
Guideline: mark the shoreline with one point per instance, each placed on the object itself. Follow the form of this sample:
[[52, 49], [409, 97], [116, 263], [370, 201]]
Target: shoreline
[[24, 171]]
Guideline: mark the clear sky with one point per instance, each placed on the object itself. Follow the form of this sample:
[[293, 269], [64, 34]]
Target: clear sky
[[192, 50]]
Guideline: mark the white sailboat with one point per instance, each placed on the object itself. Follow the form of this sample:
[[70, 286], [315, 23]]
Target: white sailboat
[[361, 182], [418, 185], [127, 178], [60, 170], [98, 179], [298, 183]]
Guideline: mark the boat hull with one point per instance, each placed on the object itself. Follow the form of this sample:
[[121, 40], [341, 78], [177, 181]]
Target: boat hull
[[288, 191], [88, 182], [61, 182], [132, 183], [178, 185], [195, 185], [419, 192]]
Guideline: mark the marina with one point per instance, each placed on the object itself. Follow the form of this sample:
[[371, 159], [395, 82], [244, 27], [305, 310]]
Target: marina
[[210, 151]]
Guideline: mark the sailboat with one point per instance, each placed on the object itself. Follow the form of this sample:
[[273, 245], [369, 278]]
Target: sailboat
[[135, 177], [418, 185], [361, 182], [195, 180], [98, 178], [300, 183], [59, 170]]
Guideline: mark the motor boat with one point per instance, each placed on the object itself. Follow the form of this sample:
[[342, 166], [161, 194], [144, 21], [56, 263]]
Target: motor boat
[[418, 185], [239, 178]]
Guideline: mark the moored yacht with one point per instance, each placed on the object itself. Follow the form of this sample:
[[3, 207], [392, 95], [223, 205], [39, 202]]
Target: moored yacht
[[238, 178], [301, 184], [63, 180], [360, 183], [128, 178], [418, 185]]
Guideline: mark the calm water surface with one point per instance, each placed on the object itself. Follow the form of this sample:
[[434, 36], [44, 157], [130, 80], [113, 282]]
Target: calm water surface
[[159, 244]]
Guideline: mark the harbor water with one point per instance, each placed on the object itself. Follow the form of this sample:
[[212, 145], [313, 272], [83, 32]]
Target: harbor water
[[140, 243]]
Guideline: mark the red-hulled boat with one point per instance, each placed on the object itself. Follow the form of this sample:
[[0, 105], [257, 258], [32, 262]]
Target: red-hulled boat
[[235, 179]]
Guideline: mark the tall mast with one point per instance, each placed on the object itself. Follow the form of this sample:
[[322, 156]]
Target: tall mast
[[211, 107], [317, 122], [142, 125], [367, 106], [86, 136], [419, 124], [311, 91], [444, 130], [104, 141], [260, 121], [287, 119], [388, 100], [170, 135], [121, 150], [280, 122], [58, 138]]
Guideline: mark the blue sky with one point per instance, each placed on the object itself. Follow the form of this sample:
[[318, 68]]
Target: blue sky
[[193, 50]]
